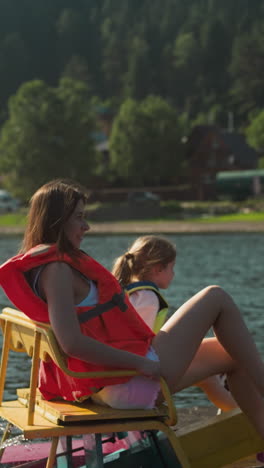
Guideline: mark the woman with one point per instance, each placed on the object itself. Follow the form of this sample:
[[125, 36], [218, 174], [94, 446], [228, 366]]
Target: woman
[[55, 280]]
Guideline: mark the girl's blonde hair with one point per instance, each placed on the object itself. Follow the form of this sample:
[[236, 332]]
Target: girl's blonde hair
[[143, 254]]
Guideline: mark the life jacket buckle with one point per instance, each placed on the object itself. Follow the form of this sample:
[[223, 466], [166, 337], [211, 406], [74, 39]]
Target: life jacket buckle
[[118, 300]]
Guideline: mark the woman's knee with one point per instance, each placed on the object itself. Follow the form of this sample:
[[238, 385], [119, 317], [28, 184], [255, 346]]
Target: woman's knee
[[213, 289], [215, 293]]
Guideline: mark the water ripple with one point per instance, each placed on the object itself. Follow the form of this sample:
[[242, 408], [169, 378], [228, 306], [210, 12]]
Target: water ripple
[[234, 261]]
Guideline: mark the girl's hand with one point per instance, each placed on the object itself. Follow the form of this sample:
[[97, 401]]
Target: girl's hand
[[150, 369]]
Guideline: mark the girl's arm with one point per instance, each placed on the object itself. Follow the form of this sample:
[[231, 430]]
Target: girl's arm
[[56, 281]]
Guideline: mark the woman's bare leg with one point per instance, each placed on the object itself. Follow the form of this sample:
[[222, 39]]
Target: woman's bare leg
[[242, 388], [185, 359], [180, 337], [248, 398], [217, 393], [209, 355]]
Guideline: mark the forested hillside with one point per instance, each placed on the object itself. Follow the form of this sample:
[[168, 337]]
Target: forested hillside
[[159, 68], [202, 56]]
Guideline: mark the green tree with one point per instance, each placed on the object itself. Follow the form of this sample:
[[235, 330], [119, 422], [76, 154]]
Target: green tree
[[69, 27], [14, 62], [261, 163], [196, 54], [47, 135], [145, 144], [255, 132], [77, 69], [138, 78], [215, 42], [247, 68], [78, 125], [186, 57]]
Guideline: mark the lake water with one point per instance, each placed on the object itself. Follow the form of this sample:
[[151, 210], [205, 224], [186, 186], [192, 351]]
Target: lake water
[[234, 261]]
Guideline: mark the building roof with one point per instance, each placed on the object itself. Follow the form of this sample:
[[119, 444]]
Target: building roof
[[224, 175], [237, 145]]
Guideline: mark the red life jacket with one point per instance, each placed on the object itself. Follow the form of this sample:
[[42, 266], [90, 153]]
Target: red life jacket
[[113, 321]]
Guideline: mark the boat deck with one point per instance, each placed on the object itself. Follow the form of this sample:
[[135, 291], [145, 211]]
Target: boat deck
[[196, 413], [186, 416]]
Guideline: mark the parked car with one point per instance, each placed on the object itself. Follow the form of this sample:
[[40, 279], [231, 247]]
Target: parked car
[[143, 197], [8, 204]]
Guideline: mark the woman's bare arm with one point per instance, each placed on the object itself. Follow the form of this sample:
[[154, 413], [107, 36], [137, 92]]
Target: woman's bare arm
[[56, 282]]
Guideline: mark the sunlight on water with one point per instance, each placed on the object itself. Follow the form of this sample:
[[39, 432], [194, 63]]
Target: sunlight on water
[[18, 440], [14, 436]]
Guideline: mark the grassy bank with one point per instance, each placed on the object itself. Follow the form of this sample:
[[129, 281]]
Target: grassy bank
[[246, 217], [189, 212], [13, 220]]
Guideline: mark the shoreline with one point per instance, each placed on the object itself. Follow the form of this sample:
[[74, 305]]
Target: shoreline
[[159, 227], [175, 227]]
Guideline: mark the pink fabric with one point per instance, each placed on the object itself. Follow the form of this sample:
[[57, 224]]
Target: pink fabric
[[138, 393]]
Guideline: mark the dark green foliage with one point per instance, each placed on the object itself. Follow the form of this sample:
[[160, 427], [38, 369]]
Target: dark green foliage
[[146, 146], [202, 59], [47, 135], [247, 69], [255, 134], [197, 54]]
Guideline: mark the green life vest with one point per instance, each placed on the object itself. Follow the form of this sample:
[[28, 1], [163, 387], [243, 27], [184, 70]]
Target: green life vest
[[162, 314]]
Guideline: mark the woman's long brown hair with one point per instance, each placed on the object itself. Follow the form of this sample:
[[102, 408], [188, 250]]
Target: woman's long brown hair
[[50, 208]]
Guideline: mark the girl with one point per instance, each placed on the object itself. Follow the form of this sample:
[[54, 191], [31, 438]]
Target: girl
[[147, 266], [52, 280], [143, 270]]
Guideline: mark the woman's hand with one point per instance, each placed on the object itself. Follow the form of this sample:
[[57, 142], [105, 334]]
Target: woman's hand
[[150, 369]]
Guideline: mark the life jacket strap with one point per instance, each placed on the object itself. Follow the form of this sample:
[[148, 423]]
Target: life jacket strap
[[116, 301]]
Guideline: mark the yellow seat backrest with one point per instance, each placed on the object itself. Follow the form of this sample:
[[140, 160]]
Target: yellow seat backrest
[[223, 439], [37, 339]]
